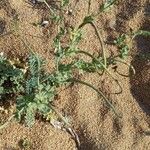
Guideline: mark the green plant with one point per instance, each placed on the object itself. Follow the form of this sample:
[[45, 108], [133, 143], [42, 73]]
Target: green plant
[[11, 77], [121, 43], [54, 15], [38, 92], [39, 87], [106, 5], [141, 32], [25, 144], [124, 42], [64, 3], [35, 89], [72, 51]]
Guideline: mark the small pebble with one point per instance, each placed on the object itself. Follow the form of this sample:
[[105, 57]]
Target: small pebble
[[1, 53], [69, 12], [44, 23]]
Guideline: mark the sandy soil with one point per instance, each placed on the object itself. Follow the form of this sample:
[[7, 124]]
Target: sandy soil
[[98, 128]]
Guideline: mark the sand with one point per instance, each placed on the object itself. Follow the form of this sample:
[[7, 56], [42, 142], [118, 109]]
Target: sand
[[96, 125]]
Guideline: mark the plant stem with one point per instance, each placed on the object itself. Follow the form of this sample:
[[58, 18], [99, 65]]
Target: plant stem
[[38, 69], [129, 65], [99, 12], [106, 69], [98, 91], [68, 127], [100, 40], [6, 123], [39, 64], [113, 78], [86, 53], [60, 116], [51, 10], [89, 6]]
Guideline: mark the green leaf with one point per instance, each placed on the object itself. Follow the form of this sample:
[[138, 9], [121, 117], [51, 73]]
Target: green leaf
[[56, 18], [122, 45], [106, 5], [57, 43], [44, 109], [30, 114], [1, 90], [141, 32], [88, 19], [35, 64], [76, 36], [64, 3]]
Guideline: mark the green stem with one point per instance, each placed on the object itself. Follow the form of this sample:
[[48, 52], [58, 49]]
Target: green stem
[[98, 91], [129, 65], [106, 69], [51, 10], [60, 116], [68, 127], [113, 79], [6, 123], [105, 8], [31, 51], [38, 70], [89, 6], [86, 53], [100, 40]]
